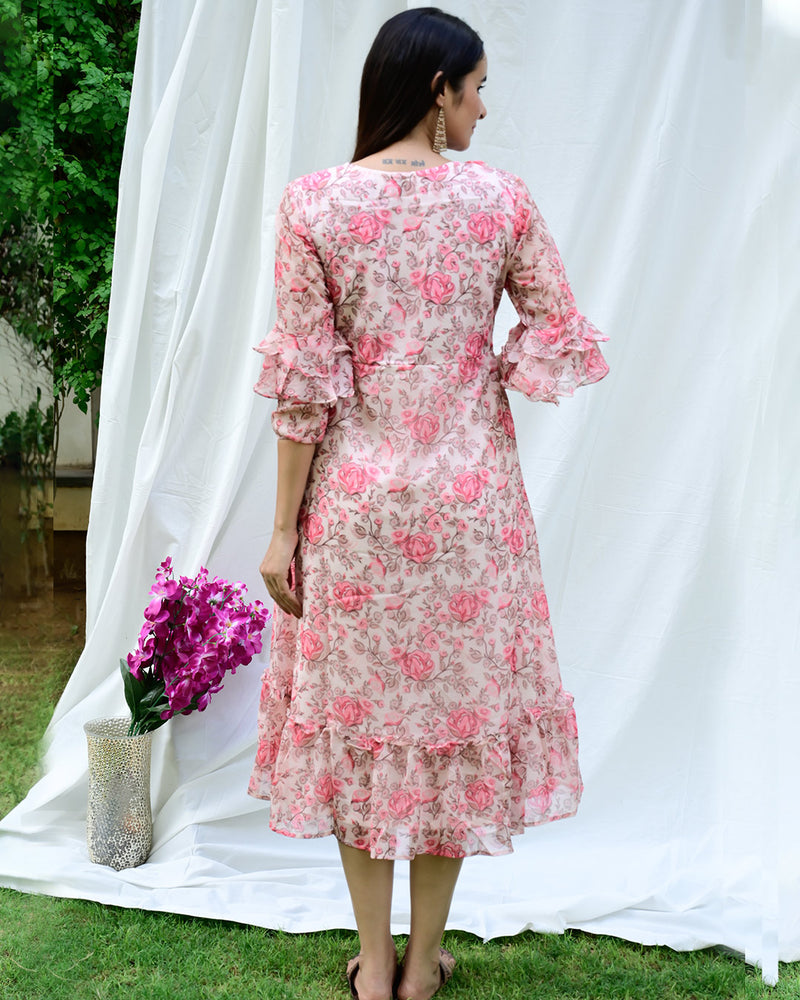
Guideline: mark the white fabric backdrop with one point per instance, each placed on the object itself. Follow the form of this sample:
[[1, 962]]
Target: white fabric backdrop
[[661, 143]]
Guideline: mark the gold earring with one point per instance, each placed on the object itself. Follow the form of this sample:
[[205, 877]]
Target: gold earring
[[440, 136]]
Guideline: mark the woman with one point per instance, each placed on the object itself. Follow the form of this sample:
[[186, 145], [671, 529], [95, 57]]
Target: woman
[[413, 705]]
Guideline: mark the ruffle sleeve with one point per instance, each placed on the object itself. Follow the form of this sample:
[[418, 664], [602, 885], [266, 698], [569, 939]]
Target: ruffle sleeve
[[553, 349], [307, 365]]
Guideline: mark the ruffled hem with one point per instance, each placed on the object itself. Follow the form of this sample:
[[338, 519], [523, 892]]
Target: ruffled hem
[[319, 372], [453, 798], [544, 363]]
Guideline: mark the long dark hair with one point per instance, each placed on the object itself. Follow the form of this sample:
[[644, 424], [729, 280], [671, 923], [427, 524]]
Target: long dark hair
[[408, 51]]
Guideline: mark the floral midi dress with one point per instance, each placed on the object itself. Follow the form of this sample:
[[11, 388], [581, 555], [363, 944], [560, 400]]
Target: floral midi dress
[[417, 706]]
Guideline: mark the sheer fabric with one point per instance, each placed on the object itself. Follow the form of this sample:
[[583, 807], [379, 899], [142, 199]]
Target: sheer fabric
[[417, 706]]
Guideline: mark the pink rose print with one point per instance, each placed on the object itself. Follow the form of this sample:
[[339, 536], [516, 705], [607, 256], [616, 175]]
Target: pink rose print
[[550, 335], [468, 369], [594, 365], [474, 345], [311, 645], [424, 427], [568, 725], [396, 315], [352, 596], [539, 605], [522, 221], [437, 287], [451, 262], [313, 182], [510, 656], [507, 423], [313, 528], [480, 794], [463, 723], [370, 349], [449, 850], [415, 664], [353, 478], [438, 173], [366, 228], [465, 606], [467, 486], [541, 797], [351, 711], [420, 547], [401, 804], [483, 226], [515, 540], [429, 637], [326, 787], [334, 289], [435, 523], [303, 733]]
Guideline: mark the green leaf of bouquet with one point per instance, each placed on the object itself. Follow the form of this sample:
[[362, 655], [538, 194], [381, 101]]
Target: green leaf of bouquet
[[154, 699], [133, 688], [147, 724]]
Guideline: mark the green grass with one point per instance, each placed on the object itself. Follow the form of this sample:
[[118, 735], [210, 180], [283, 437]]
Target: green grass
[[75, 950], [57, 948], [39, 646]]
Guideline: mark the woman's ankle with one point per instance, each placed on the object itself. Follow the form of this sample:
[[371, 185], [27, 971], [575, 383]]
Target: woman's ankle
[[420, 956], [376, 972]]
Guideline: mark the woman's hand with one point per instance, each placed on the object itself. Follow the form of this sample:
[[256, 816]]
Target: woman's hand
[[294, 463], [274, 569]]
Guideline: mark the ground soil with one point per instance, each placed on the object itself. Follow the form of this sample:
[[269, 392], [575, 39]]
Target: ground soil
[[47, 620]]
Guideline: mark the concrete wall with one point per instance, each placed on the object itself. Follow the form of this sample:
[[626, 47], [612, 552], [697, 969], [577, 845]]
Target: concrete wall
[[74, 438], [19, 376], [19, 379]]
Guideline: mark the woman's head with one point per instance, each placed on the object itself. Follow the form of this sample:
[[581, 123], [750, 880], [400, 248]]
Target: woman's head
[[406, 56]]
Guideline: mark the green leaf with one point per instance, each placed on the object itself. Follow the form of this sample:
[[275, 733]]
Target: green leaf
[[154, 699], [134, 689]]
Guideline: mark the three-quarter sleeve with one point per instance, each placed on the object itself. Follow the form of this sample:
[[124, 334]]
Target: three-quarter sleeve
[[553, 349], [307, 365]]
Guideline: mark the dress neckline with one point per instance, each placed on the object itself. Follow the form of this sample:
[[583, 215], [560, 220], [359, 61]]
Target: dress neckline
[[447, 165]]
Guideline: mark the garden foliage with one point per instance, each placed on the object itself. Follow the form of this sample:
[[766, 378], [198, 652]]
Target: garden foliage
[[65, 78]]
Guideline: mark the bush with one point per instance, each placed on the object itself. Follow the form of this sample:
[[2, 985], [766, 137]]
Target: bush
[[65, 79]]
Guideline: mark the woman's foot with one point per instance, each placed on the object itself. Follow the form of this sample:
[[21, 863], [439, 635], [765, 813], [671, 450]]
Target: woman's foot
[[371, 980], [422, 978]]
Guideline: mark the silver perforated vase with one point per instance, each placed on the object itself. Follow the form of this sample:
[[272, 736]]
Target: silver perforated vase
[[119, 824]]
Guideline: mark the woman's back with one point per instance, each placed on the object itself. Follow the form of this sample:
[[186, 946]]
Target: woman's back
[[379, 272], [414, 259]]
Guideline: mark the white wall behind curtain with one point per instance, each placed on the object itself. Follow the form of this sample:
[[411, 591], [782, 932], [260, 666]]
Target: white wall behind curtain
[[661, 144]]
